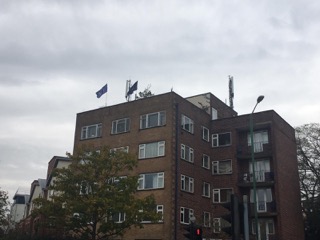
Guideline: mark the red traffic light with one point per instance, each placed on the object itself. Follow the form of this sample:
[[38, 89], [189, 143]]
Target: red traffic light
[[198, 231]]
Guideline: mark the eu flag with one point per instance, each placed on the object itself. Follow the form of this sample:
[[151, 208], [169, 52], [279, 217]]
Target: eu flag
[[102, 91], [133, 88]]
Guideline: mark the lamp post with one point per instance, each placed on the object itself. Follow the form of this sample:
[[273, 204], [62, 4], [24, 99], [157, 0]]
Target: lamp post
[[259, 99]]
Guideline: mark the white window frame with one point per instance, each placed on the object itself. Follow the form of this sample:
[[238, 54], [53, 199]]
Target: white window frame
[[206, 219], [187, 184], [120, 149], [146, 123], [263, 196], [187, 124], [119, 217], [217, 139], [85, 188], [216, 224], [158, 181], [206, 161], [159, 209], [206, 189], [266, 225], [187, 153], [85, 131], [144, 150], [216, 195], [117, 123], [216, 167], [185, 215], [205, 134]]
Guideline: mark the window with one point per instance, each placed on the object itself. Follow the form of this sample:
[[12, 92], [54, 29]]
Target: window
[[206, 219], [187, 183], [221, 139], [205, 134], [187, 153], [150, 150], [214, 114], [185, 215], [221, 167], [92, 131], [205, 161], [259, 138], [187, 124], [152, 120], [222, 195], [119, 217], [151, 181], [120, 126], [216, 225], [206, 189], [265, 227], [159, 210], [120, 149], [85, 188], [263, 196]]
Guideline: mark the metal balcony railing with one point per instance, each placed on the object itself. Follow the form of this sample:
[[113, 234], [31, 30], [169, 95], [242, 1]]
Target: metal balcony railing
[[261, 176]]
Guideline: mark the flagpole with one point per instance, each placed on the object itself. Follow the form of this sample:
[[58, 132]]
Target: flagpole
[[106, 99]]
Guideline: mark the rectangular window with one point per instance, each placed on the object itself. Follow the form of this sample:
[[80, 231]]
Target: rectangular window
[[85, 188], [152, 120], [214, 114], [120, 126], [120, 149], [216, 225], [187, 183], [158, 209], [119, 217], [222, 195], [205, 161], [222, 167], [265, 225], [205, 134], [206, 189], [221, 139], [92, 131], [263, 196], [187, 153], [185, 215], [151, 150], [187, 124], [206, 219], [259, 138], [151, 181]]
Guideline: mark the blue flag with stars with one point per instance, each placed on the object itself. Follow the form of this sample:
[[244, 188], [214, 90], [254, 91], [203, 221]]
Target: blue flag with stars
[[102, 91]]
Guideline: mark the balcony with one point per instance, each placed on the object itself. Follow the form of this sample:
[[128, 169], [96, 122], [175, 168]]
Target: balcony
[[261, 149], [264, 209], [263, 179]]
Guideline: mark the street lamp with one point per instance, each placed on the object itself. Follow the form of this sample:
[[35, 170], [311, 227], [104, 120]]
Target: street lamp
[[259, 99]]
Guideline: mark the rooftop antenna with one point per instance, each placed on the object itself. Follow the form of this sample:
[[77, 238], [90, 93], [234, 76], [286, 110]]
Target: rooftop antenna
[[231, 91]]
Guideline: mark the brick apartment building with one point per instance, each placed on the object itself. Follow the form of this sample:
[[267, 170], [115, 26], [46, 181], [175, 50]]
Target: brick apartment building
[[193, 153]]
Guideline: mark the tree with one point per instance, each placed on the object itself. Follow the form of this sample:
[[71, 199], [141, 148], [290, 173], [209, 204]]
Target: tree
[[146, 93], [4, 204], [95, 197], [308, 150]]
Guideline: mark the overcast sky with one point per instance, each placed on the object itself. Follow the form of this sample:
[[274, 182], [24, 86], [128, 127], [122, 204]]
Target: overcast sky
[[54, 56]]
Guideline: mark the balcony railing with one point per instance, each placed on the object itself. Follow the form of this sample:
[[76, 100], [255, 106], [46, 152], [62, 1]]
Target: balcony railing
[[264, 207], [261, 176], [244, 150]]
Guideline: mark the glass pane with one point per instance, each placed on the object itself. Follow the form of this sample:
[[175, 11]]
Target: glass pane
[[153, 120], [91, 131], [151, 150]]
